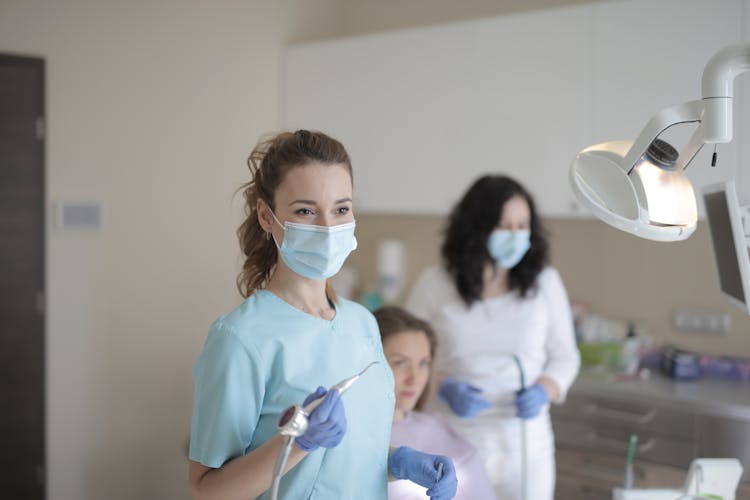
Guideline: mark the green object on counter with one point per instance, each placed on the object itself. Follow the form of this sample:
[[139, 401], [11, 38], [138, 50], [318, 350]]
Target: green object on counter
[[631, 448], [629, 463], [372, 301], [605, 354]]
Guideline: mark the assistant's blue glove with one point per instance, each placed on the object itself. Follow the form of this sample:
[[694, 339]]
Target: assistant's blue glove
[[529, 402], [423, 468], [327, 423], [464, 399]]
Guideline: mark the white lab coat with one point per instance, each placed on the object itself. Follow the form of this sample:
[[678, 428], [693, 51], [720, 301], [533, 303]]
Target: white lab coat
[[477, 343]]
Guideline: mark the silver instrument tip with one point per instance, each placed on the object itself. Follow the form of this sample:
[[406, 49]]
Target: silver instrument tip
[[367, 368], [346, 384]]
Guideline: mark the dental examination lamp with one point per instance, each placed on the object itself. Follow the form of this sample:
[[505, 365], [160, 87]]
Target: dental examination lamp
[[640, 187]]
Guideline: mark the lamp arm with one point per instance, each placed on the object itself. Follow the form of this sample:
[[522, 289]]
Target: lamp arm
[[718, 90], [714, 111], [721, 70], [681, 113]]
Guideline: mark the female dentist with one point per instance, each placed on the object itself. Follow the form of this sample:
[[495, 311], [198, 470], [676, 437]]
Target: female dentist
[[291, 338], [494, 299]]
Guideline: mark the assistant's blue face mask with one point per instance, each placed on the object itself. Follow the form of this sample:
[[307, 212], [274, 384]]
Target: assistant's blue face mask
[[316, 252], [507, 248]]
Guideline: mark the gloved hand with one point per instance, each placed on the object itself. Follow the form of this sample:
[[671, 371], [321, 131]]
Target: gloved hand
[[463, 398], [327, 423], [529, 402], [422, 468]]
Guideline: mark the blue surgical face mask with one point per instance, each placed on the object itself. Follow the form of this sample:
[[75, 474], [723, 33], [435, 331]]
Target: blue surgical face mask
[[507, 248], [316, 252]]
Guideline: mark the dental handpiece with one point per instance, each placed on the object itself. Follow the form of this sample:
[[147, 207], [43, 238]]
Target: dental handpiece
[[341, 387], [293, 421]]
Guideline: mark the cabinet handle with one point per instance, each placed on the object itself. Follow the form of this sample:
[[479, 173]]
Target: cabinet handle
[[621, 415], [620, 444]]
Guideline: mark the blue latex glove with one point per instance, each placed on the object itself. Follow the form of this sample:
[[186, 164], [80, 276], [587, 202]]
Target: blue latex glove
[[422, 468], [464, 399], [530, 401], [327, 423]]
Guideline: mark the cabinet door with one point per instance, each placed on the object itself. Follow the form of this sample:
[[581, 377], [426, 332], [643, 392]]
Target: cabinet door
[[586, 474], [653, 447], [724, 437], [650, 55], [574, 488], [424, 112]]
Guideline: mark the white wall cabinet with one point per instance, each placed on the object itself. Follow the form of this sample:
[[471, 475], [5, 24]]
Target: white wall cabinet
[[424, 112]]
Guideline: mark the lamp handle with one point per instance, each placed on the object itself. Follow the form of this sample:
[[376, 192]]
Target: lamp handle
[[681, 113]]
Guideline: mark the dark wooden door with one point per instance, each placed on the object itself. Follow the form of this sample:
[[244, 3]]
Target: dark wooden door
[[22, 360]]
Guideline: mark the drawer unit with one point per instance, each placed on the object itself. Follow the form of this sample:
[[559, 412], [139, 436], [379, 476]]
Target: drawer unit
[[592, 436], [638, 417], [615, 438], [592, 474]]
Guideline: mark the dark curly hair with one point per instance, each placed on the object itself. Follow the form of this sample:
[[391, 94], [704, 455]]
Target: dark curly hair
[[464, 248]]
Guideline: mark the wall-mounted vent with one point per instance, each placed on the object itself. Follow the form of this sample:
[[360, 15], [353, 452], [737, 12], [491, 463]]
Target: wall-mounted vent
[[79, 215]]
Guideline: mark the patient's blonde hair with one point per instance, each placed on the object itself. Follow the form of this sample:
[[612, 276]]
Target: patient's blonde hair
[[393, 320]]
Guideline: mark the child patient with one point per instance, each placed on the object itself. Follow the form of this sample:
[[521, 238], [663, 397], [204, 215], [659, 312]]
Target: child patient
[[409, 345]]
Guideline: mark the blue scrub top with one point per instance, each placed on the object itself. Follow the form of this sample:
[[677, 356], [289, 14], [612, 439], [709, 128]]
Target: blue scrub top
[[267, 355]]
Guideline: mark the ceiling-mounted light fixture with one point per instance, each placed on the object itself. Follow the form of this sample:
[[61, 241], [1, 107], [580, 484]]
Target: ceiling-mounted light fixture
[[640, 187]]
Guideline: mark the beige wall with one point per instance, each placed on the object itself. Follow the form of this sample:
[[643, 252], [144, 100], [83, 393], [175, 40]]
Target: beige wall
[[611, 272], [152, 109]]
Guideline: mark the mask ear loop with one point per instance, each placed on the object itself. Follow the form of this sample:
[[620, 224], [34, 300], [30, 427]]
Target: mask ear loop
[[269, 234], [275, 219]]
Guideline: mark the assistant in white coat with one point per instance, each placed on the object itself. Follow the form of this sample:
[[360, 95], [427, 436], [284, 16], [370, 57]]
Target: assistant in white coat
[[488, 302]]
